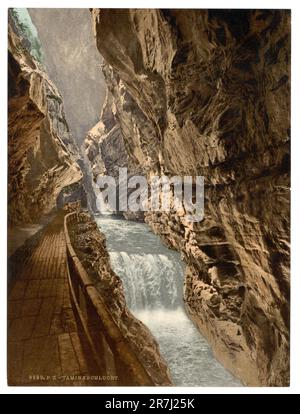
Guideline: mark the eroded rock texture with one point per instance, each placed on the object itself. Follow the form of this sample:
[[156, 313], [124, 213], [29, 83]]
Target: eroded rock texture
[[90, 245], [41, 152], [207, 93], [73, 63], [106, 146]]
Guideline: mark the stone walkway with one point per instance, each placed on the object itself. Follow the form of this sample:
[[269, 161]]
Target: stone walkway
[[45, 343]]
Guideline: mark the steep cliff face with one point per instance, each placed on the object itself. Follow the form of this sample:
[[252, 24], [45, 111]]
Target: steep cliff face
[[207, 93], [73, 63], [106, 146], [41, 152]]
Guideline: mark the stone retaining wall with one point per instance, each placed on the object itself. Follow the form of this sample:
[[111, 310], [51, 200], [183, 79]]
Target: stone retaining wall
[[112, 351]]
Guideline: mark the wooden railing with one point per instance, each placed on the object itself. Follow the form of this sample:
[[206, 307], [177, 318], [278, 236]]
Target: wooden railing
[[111, 350]]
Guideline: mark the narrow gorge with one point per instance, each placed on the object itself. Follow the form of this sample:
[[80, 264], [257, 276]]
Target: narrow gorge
[[161, 92]]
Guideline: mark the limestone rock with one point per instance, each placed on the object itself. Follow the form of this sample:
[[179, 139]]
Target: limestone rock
[[41, 151], [72, 62], [105, 145], [207, 92]]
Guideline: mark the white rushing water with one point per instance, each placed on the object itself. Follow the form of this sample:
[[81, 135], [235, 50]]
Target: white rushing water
[[152, 276]]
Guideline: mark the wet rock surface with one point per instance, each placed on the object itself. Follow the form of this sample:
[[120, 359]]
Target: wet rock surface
[[90, 246], [207, 93]]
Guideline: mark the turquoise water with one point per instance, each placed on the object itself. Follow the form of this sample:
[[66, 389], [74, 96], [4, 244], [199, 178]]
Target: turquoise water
[[29, 32]]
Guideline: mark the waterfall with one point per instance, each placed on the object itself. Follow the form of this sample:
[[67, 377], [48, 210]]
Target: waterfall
[[152, 276], [151, 281]]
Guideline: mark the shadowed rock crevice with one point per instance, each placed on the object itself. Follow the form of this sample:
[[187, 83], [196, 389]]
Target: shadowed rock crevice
[[197, 92]]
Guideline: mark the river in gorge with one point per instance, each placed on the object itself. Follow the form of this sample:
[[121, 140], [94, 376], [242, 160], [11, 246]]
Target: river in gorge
[[152, 276]]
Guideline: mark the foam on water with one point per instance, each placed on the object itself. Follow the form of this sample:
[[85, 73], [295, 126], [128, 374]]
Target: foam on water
[[152, 276]]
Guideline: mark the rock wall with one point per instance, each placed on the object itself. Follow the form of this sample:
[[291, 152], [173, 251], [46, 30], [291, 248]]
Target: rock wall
[[90, 246], [105, 146], [207, 92], [41, 151], [73, 63]]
